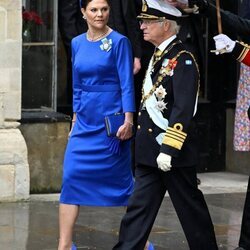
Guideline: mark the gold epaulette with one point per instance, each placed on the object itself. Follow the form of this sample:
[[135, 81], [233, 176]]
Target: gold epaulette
[[245, 50], [175, 137]]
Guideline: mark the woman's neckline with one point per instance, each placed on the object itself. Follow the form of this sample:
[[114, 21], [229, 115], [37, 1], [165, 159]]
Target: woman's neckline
[[99, 39]]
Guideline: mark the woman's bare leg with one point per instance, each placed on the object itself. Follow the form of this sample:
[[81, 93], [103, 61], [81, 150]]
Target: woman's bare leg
[[67, 218]]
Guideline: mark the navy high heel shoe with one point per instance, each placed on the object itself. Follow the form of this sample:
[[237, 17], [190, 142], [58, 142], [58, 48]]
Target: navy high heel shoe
[[73, 246]]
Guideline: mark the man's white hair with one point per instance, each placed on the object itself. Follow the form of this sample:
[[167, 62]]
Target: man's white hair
[[174, 26]]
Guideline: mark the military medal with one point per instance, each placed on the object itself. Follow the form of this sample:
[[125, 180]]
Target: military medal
[[160, 94], [168, 66]]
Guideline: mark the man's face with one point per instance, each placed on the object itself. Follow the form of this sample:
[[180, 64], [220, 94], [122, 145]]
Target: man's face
[[154, 31]]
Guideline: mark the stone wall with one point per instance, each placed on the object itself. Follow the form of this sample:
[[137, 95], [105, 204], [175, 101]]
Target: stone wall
[[46, 144], [46, 135], [11, 55], [14, 169]]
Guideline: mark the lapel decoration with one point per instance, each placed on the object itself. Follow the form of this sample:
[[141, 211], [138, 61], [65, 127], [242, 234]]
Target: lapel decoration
[[160, 94], [161, 105], [106, 44], [167, 69], [168, 66]]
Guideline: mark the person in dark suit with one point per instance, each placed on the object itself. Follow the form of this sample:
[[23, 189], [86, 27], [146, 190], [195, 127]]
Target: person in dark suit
[[70, 24], [190, 32], [241, 26], [147, 50], [240, 52], [70, 21], [165, 148], [122, 19]]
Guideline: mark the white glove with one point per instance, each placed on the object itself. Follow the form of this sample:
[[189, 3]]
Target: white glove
[[223, 44], [164, 162]]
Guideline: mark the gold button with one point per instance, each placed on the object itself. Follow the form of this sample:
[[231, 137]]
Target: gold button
[[138, 127], [150, 130]]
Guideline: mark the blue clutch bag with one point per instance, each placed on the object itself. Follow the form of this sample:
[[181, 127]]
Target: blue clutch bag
[[113, 122]]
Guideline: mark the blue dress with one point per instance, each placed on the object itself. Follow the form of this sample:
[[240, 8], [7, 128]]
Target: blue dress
[[102, 85]]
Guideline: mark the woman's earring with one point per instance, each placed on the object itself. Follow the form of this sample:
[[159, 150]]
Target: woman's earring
[[84, 17]]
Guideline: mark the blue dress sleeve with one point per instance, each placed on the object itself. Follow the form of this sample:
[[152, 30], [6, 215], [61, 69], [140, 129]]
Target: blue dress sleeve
[[124, 64], [77, 90]]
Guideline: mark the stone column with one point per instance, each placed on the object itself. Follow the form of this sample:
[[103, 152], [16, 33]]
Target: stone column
[[14, 168]]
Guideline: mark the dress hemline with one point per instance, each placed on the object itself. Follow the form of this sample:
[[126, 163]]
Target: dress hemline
[[94, 205]]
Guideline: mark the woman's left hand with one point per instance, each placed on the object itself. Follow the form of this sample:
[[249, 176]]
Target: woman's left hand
[[125, 131]]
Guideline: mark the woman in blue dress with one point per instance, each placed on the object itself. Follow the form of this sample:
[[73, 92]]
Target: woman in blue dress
[[93, 174]]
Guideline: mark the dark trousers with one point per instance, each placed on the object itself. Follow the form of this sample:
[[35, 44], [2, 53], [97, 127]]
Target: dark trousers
[[150, 187], [245, 225]]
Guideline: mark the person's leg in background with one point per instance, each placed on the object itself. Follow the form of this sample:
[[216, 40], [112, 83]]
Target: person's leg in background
[[244, 241]]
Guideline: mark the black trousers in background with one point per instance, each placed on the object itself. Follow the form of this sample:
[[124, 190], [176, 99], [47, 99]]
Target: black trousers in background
[[150, 187], [245, 225]]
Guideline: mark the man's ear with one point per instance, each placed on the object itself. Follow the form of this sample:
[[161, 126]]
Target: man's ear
[[166, 25]]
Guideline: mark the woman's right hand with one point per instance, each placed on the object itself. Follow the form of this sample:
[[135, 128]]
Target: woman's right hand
[[125, 131]]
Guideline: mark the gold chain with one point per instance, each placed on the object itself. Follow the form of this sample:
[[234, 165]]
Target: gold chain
[[161, 76], [145, 97], [94, 39]]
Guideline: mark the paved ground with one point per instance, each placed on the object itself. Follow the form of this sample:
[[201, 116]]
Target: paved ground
[[33, 225]]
